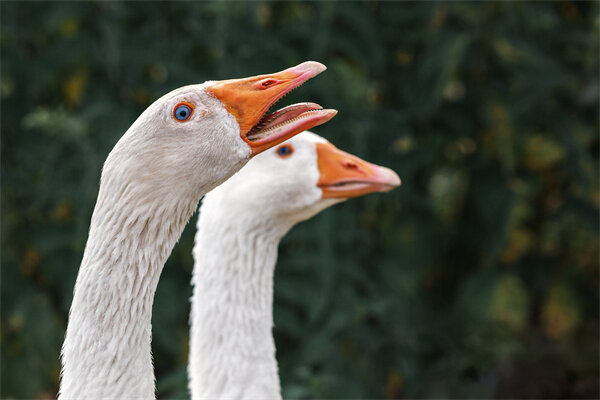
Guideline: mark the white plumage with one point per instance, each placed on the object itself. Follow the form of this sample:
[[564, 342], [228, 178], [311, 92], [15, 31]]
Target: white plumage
[[232, 352]]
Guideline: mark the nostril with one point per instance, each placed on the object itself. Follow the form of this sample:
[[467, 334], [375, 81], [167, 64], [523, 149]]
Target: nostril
[[267, 83], [350, 165]]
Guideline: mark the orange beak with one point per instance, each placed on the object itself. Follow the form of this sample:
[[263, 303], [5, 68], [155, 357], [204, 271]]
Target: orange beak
[[343, 175], [249, 99]]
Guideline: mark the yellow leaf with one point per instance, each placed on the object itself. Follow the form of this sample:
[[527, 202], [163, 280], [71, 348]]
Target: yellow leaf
[[31, 260], [542, 153], [403, 145], [263, 14], [560, 313], [393, 384], [74, 86], [404, 57], [69, 27], [62, 212], [518, 243], [510, 303]]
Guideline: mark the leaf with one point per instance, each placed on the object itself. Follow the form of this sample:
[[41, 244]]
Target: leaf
[[542, 153]]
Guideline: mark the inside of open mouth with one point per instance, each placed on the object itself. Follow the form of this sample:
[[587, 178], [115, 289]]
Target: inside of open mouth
[[279, 118], [340, 184], [347, 184]]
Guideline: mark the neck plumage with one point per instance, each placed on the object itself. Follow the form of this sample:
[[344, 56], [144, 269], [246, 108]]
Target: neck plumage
[[107, 348], [232, 351]]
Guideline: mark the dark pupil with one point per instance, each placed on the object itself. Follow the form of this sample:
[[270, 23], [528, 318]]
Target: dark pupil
[[284, 151], [182, 112]]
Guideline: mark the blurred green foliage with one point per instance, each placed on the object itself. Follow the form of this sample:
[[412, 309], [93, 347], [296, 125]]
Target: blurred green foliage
[[477, 278]]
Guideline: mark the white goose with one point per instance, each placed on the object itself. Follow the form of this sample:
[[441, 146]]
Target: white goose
[[182, 146], [232, 352]]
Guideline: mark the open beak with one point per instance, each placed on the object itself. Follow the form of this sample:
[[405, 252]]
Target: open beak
[[249, 99], [343, 175]]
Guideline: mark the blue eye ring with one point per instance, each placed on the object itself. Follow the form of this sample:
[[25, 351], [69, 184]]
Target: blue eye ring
[[285, 150], [183, 111]]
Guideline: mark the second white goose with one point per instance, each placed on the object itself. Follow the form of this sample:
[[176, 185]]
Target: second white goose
[[232, 352]]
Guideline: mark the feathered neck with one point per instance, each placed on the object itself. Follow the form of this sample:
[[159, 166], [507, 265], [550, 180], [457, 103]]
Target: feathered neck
[[107, 348], [232, 351]]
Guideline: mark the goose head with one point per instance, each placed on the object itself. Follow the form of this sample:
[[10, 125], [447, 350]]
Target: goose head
[[298, 179], [195, 137]]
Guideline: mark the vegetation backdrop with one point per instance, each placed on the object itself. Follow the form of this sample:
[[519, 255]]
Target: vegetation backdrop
[[477, 278]]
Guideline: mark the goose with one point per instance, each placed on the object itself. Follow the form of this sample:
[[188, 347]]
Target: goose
[[183, 145], [232, 351]]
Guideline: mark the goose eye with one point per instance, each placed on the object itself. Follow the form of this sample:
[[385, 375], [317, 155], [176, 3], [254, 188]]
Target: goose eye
[[285, 150], [182, 112]]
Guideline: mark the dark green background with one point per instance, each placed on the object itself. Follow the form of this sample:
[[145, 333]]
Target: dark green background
[[477, 278]]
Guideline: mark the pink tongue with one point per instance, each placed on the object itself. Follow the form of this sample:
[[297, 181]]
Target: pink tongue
[[282, 115]]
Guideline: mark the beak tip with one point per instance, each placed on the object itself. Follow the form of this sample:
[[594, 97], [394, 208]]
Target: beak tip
[[331, 113], [391, 178], [324, 116], [312, 68]]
